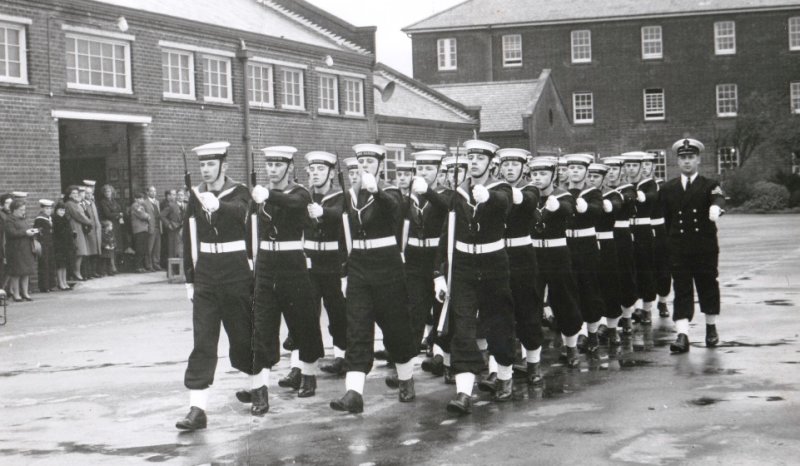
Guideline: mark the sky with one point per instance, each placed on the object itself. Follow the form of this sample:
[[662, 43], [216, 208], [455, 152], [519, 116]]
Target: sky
[[393, 46]]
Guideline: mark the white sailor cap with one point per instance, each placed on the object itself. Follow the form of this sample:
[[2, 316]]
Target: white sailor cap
[[212, 150], [404, 166], [429, 157], [688, 146], [579, 159], [449, 162], [476, 146], [633, 157], [544, 163], [613, 161], [19, 194], [561, 161], [598, 168], [279, 153], [370, 150], [351, 163], [318, 156], [89, 183], [519, 155], [46, 203]]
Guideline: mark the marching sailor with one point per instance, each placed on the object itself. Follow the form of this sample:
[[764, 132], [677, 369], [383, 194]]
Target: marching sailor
[[662, 277]]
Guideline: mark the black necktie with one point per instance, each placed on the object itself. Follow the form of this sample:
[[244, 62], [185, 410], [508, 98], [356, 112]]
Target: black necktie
[[688, 184]]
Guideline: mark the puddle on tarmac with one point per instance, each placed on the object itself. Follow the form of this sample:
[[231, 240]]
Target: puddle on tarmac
[[705, 401], [774, 398], [778, 302]]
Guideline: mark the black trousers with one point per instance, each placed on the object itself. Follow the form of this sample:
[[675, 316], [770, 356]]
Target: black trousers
[[422, 303], [661, 260], [609, 278], [230, 305], [527, 308], [140, 246], [328, 289], [555, 272], [584, 267], [623, 239], [644, 261], [695, 270]]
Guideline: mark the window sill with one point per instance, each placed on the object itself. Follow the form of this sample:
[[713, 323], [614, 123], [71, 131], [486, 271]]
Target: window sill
[[512, 65], [726, 116], [339, 115], [447, 70], [211, 103], [584, 123], [14, 85], [655, 120], [116, 95], [280, 110], [180, 101], [653, 59], [589, 62], [724, 54]]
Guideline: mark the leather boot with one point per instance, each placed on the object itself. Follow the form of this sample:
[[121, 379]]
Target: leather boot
[[336, 367], [352, 402], [488, 384], [449, 376], [292, 379], [625, 325], [582, 343], [645, 318], [308, 386], [195, 420], [461, 404], [592, 343], [504, 390], [406, 392], [260, 397], [392, 381], [663, 311], [534, 373], [434, 365], [572, 357], [680, 345], [636, 317], [245, 396], [613, 337], [712, 339]]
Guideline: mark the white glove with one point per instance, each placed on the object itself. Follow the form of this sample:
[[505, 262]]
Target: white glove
[[344, 287], [209, 201], [419, 186], [516, 196], [552, 204], [714, 212], [480, 193], [581, 206], [260, 194], [607, 206], [190, 291], [440, 288], [369, 182], [314, 210], [640, 197]]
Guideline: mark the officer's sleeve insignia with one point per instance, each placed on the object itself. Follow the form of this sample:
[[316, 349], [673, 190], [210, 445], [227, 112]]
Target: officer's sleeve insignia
[[718, 190]]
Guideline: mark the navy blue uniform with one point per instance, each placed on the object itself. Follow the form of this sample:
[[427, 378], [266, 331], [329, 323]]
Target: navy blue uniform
[[608, 276], [584, 252], [643, 253]]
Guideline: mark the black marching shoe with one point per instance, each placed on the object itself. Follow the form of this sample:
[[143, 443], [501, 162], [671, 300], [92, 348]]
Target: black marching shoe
[[572, 357], [663, 311], [292, 379], [449, 376], [645, 318], [336, 367], [308, 386], [392, 381], [381, 355], [503, 390], [461, 404], [244, 396], [625, 325], [434, 365], [260, 400], [592, 343], [195, 420], [488, 384], [712, 339], [613, 337], [406, 392], [680, 345], [534, 373], [288, 344], [352, 402], [582, 340], [636, 317]]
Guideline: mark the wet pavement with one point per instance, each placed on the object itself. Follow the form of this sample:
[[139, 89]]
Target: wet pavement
[[94, 376]]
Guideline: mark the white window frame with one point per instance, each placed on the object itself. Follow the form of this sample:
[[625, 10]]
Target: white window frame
[[659, 164], [731, 156], [794, 33], [334, 99], [720, 35], [270, 85], [167, 77], [126, 50], [794, 97], [350, 103], [583, 108], [299, 72], [722, 101], [17, 24], [206, 60], [649, 39], [447, 54], [394, 153], [652, 113], [795, 163], [512, 44], [575, 36]]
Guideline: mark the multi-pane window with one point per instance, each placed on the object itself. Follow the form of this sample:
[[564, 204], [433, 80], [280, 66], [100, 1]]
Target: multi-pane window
[[794, 33], [659, 164], [292, 95], [582, 107], [727, 159], [328, 94], [512, 50], [795, 163], [446, 51], [651, 42], [725, 38], [353, 97], [98, 63], [794, 96], [217, 79], [394, 153], [727, 101], [582, 46], [13, 66], [654, 104], [177, 74], [261, 93]]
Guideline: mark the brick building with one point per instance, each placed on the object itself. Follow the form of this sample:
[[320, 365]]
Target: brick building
[[634, 75]]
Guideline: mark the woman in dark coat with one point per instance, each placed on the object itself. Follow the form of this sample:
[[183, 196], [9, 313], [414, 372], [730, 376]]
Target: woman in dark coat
[[110, 210], [63, 244], [47, 262], [81, 226], [20, 261]]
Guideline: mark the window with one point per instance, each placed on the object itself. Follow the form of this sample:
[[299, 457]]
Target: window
[[328, 94], [353, 97], [13, 54], [394, 153], [447, 54], [261, 93], [512, 50], [659, 164], [293, 89], [727, 102], [795, 163], [177, 74], [98, 64], [582, 46], [727, 159], [654, 104], [217, 79], [725, 38], [582, 107], [651, 42], [794, 33], [794, 96]]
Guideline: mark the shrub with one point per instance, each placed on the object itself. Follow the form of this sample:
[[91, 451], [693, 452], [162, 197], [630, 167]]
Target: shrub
[[738, 187], [768, 196]]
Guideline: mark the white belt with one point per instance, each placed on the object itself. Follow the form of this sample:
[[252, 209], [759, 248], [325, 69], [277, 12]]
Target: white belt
[[656, 221], [374, 243], [321, 246], [219, 248], [281, 245], [640, 221], [423, 243], [582, 233], [605, 235], [517, 242], [484, 248], [549, 243], [622, 224]]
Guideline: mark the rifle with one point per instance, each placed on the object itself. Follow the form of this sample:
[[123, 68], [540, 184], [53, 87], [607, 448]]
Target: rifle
[[444, 318], [187, 180], [348, 238], [254, 215]]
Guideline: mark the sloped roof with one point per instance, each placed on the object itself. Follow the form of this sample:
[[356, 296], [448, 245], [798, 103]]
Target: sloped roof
[[256, 16], [477, 13], [413, 99], [503, 103]]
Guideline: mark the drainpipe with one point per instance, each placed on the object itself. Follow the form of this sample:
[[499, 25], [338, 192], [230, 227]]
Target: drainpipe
[[243, 54]]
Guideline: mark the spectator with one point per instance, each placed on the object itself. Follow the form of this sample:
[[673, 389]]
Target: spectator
[[5, 203], [93, 237], [109, 245], [80, 225], [172, 221], [110, 210], [47, 266], [19, 245], [154, 228], [63, 244], [140, 223]]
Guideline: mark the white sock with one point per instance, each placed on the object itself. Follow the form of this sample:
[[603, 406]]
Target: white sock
[[584, 330], [446, 358], [294, 361], [504, 372], [464, 382], [627, 312], [338, 352], [492, 364], [355, 381], [638, 303], [482, 344], [405, 370], [309, 368], [428, 329], [647, 305], [437, 350], [592, 326], [662, 299], [682, 326], [570, 342], [611, 322], [534, 355], [711, 319], [262, 378], [198, 398]]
